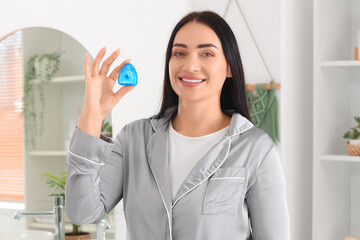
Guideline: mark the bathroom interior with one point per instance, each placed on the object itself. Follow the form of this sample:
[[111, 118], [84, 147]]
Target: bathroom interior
[[310, 47]]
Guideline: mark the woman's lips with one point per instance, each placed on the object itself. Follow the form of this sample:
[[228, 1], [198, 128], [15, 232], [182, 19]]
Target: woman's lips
[[190, 84], [191, 77]]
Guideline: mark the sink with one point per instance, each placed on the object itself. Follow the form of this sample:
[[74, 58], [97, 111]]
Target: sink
[[27, 235]]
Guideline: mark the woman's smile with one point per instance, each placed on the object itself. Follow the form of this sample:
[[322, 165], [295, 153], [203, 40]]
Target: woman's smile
[[190, 81]]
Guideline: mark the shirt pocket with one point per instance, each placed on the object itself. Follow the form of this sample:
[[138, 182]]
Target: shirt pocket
[[225, 189]]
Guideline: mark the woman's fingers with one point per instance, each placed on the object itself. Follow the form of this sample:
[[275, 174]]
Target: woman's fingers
[[107, 63], [115, 73], [96, 62], [122, 91], [87, 72]]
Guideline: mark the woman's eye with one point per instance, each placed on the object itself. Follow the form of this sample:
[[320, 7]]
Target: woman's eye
[[178, 54], [209, 54]]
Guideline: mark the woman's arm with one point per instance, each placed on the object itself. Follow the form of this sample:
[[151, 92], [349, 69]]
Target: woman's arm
[[94, 178], [267, 202]]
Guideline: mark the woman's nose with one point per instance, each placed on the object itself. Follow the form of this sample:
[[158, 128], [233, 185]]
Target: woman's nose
[[192, 64]]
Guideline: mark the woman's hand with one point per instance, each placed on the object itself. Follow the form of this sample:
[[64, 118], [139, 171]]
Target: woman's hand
[[99, 97]]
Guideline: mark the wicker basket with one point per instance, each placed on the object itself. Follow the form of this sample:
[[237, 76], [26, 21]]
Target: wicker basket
[[353, 150]]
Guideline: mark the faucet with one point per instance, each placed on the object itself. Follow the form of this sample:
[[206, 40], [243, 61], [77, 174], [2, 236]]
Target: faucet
[[101, 227], [58, 212]]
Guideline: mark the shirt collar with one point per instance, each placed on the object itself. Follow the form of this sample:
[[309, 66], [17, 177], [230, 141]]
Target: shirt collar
[[238, 123]]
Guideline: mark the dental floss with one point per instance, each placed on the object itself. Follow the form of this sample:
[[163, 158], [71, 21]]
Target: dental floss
[[128, 75]]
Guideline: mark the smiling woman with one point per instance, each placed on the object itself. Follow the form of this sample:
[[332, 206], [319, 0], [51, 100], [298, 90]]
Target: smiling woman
[[200, 49], [198, 70], [199, 169]]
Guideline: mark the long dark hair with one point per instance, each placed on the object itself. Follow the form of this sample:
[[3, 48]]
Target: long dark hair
[[233, 93]]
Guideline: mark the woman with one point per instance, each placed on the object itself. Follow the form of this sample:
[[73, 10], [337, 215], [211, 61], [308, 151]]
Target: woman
[[199, 169]]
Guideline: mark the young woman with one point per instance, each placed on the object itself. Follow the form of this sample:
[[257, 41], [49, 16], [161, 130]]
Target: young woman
[[199, 169]]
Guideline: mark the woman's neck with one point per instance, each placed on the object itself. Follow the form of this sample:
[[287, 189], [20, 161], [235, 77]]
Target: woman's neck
[[196, 120]]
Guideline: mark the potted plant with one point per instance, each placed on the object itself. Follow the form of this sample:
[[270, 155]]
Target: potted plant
[[353, 139], [58, 183], [39, 68]]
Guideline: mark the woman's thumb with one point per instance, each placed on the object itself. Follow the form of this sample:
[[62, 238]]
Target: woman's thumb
[[122, 91]]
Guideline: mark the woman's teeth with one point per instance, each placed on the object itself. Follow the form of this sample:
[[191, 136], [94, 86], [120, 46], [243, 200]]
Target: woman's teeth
[[189, 80]]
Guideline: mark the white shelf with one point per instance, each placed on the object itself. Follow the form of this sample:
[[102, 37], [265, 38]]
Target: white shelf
[[48, 153], [342, 64], [66, 79], [336, 175], [340, 158]]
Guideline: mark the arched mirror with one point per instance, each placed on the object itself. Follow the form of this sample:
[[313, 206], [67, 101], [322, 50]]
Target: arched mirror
[[42, 90]]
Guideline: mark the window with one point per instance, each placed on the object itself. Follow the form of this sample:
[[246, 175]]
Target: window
[[11, 123]]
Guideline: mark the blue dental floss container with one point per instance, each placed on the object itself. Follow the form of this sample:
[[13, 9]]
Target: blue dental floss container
[[128, 75]]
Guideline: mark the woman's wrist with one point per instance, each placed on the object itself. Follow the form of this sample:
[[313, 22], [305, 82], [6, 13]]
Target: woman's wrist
[[90, 125]]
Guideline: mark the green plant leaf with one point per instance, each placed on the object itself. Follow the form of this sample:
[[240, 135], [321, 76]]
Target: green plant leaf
[[29, 104], [58, 183], [55, 182]]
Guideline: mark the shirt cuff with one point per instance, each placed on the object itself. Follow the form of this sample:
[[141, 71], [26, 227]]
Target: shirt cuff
[[89, 149]]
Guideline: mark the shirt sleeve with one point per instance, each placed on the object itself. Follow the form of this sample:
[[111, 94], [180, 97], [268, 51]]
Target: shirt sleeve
[[94, 182], [268, 210]]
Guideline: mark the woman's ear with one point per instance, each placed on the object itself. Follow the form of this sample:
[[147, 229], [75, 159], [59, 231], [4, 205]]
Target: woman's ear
[[229, 74]]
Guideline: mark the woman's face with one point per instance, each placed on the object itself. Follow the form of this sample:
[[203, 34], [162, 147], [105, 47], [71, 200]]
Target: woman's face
[[197, 54]]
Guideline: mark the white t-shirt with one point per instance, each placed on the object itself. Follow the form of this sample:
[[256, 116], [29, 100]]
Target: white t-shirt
[[185, 152]]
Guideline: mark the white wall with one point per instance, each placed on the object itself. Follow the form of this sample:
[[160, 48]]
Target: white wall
[[141, 29], [297, 111]]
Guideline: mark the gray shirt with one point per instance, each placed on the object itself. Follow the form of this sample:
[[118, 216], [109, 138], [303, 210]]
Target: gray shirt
[[235, 191]]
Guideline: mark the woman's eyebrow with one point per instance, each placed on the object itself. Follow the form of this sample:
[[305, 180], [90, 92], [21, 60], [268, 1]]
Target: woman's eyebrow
[[199, 46]]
